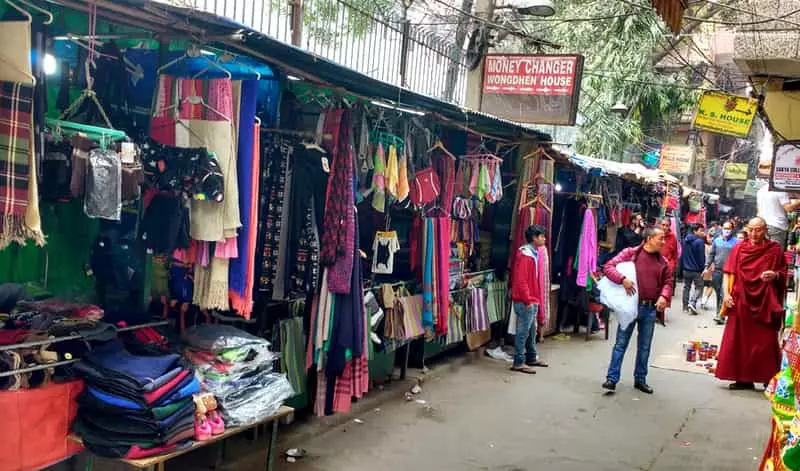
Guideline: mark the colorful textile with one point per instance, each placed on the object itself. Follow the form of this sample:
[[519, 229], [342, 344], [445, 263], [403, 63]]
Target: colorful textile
[[477, 312], [292, 359], [379, 180], [248, 162], [17, 164], [403, 187], [456, 330], [443, 272], [276, 154], [496, 293], [428, 305], [587, 251], [543, 315], [392, 177]]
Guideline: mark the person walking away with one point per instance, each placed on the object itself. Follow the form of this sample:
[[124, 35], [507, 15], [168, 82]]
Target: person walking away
[[670, 248], [631, 235], [750, 352], [526, 299], [655, 284], [693, 261], [773, 207], [721, 248]]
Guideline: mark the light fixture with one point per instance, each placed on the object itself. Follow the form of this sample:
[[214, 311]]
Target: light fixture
[[397, 108], [49, 64], [559, 187], [619, 108], [533, 7], [294, 78]]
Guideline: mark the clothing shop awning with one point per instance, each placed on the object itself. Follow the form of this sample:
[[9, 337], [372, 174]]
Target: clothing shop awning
[[243, 40], [628, 171]]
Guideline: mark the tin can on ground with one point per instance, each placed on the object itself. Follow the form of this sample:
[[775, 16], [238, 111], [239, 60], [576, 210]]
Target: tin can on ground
[[702, 355], [691, 355]]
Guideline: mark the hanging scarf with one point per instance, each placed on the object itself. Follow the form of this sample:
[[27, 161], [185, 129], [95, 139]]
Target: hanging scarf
[[392, 177], [242, 268], [587, 249], [403, 188], [379, 180], [443, 274]]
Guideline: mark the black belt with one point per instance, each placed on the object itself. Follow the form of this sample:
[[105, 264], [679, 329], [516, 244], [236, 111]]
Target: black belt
[[647, 303]]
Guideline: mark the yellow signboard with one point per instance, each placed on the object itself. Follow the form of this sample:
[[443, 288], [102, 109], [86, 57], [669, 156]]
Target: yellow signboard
[[736, 171], [726, 114]]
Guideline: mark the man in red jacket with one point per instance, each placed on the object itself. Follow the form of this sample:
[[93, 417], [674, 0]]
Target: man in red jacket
[[654, 283], [525, 294]]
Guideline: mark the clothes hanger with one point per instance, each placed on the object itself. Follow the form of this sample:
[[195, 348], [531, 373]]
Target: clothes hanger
[[192, 100], [439, 145], [21, 10], [193, 52], [31, 6]]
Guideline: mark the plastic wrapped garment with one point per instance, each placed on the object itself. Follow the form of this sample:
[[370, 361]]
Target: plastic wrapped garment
[[216, 338], [253, 400], [614, 296], [103, 197]]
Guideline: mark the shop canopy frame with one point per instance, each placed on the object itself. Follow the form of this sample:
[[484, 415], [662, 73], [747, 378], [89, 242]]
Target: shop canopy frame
[[167, 20], [628, 171]]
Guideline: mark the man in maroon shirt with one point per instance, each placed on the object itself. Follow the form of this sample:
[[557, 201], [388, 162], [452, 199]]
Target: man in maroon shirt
[[654, 282]]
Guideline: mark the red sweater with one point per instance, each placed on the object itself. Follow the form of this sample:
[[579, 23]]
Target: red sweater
[[525, 277]]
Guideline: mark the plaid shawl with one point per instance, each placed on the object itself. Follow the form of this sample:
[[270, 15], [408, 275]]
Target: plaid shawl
[[16, 153]]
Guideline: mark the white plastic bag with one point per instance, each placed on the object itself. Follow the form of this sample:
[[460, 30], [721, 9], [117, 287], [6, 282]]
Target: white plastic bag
[[612, 295]]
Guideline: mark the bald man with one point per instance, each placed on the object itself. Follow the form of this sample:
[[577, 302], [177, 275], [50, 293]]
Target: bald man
[[754, 301]]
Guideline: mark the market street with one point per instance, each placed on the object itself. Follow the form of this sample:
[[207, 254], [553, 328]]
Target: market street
[[480, 416]]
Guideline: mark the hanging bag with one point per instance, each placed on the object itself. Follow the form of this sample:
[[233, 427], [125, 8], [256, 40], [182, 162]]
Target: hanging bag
[[426, 187], [408, 310]]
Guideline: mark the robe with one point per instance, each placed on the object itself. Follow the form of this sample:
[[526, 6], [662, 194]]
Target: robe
[[750, 352]]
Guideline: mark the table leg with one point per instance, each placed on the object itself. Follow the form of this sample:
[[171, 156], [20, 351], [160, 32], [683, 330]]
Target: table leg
[[221, 451], [273, 440]]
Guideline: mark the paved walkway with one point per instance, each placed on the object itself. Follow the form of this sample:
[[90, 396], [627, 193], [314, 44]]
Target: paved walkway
[[479, 416]]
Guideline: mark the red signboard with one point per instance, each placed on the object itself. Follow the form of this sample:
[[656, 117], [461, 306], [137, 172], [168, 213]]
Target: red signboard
[[530, 75], [540, 89]]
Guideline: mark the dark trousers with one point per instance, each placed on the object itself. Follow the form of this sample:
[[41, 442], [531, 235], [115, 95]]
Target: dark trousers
[[716, 283], [691, 278]]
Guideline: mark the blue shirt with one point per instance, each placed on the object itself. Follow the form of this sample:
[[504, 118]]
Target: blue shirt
[[694, 253], [720, 250]]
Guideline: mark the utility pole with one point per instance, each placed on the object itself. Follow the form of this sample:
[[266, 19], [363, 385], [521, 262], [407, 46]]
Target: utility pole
[[297, 22], [484, 9]]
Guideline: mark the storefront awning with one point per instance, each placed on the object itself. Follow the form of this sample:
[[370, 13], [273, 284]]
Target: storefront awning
[[628, 171]]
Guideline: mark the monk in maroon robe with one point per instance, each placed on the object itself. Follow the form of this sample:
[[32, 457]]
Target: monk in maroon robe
[[750, 352]]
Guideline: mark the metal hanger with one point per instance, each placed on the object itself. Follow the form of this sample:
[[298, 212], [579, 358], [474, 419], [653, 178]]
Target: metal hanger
[[31, 6], [193, 52], [192, 100]]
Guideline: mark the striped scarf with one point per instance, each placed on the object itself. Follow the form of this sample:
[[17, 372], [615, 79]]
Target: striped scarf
[[16, 154]]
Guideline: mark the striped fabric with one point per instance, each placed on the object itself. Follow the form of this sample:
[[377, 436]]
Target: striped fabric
[[496, 300], [292, 353], [456, 330], [16, 103], [477, 312]]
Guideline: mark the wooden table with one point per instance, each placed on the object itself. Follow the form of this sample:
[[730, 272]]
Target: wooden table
[[158, 463]]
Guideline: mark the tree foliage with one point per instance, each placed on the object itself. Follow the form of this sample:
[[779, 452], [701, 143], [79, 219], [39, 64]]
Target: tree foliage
[[619, 67], [331, 20]]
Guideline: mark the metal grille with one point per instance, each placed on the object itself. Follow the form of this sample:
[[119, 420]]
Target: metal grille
[[376, 43]]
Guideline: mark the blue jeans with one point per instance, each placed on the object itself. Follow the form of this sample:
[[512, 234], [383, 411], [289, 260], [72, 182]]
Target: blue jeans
[[525, 339], [647, 324]]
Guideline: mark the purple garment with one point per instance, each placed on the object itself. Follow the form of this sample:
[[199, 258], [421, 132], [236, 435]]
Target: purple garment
[[587, 252], [341, 272]]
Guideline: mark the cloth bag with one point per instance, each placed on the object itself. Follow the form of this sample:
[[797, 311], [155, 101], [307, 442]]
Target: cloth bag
[[408, 310], [614, 296], [426, 187]]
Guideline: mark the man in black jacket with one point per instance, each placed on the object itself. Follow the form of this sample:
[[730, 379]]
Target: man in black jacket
[[693, 262]]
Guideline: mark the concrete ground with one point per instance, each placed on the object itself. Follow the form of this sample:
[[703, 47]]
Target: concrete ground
[[480, 416]]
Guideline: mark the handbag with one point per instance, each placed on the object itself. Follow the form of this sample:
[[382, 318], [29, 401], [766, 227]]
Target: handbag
[[408, 310], [426, 187]]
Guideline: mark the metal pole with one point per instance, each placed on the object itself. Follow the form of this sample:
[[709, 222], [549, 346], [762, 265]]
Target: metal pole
[[297, 22], [483, 9]]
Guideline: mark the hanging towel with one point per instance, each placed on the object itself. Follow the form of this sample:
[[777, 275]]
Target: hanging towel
[[391, 176], [403, 187], [211, 285], [484, 184], [443, 275], [587, 255], [247, 170], [379, 181], [543, 267], [428, 245]]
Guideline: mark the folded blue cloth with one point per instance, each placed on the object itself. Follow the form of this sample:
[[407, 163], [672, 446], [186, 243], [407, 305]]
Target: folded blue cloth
[[141, 369]]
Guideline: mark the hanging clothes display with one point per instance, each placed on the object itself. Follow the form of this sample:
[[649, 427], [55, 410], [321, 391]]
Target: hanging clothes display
[[276, 154], [587, 249]]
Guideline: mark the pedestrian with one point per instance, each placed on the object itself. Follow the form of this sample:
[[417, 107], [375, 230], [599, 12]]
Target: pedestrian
[[525, 294], [750, 352], [670, 249], [721, 248], [693, 261], [773, 207], [631, 235], [654, 284]]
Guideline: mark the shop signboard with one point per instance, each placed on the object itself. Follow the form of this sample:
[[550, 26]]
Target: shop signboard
[[532, 88], [727, 114], [736, 171], [785, 175], [676, 159], [750, 189]]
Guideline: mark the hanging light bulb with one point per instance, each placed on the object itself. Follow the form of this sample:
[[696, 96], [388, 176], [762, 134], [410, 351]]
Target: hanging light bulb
[[49, 64], [559, 187]]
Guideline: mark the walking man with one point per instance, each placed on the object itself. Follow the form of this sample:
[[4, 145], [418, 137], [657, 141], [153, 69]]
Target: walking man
[[721, 248], [693, 260], [750, 352], [655, 283], [526, 296]]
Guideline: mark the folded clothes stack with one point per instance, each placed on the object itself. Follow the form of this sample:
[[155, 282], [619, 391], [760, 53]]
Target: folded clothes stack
[[237, 368], [134, 406]]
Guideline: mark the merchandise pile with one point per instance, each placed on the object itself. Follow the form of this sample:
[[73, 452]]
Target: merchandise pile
[[134, 406], [237, 368]]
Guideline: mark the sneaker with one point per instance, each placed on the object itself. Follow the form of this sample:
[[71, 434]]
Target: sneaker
[[216, 422], [693, 310], [609, 386], [202, 428]]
